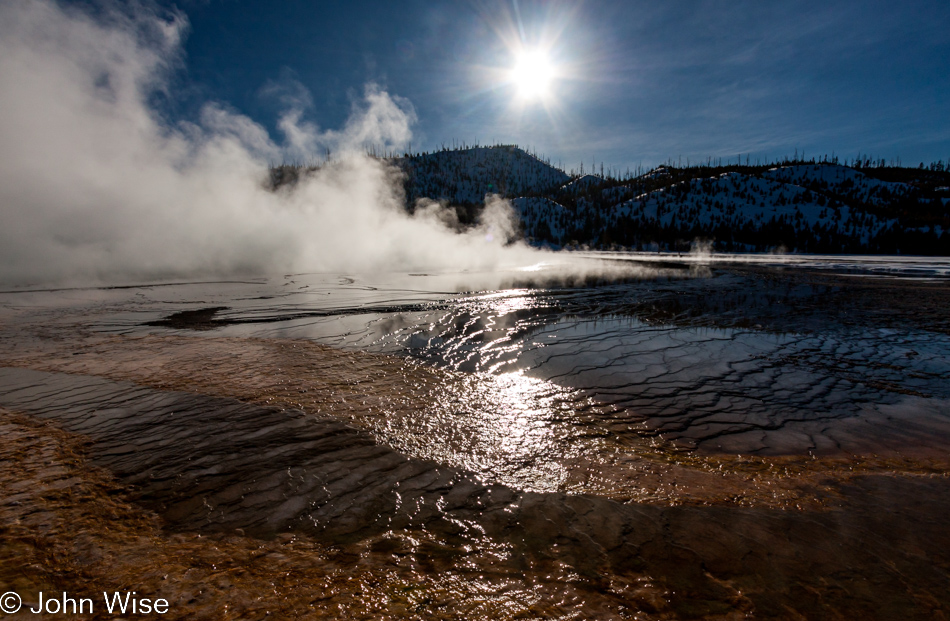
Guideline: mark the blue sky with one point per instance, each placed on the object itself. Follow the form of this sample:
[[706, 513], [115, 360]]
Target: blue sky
[[637, 82]]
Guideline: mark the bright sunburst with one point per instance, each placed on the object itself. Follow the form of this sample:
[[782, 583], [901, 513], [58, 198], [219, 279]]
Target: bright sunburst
[[533, 74]]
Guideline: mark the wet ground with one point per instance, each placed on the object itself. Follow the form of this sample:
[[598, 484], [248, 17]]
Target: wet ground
[[691, 440]]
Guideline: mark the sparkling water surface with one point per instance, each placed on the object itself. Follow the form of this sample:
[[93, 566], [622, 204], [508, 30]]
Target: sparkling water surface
[[762, 355], [679, 437]]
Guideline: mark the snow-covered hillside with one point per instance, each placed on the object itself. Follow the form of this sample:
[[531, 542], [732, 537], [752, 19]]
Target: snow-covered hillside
[[735, 201], [814, 207], [803, 206], [465, 176], [841, 181]]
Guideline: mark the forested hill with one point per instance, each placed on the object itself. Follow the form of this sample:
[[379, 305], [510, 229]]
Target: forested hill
[[865, 207], [813, 207], [465, 176], [799, 206]]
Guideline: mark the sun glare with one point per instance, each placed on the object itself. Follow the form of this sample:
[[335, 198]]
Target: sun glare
[[532, 74]]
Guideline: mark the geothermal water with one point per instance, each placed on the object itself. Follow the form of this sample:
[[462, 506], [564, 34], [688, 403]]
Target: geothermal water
[[667, 437]]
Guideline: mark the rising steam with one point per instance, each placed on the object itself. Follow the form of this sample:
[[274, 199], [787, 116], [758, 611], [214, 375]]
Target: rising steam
[[95, 187]]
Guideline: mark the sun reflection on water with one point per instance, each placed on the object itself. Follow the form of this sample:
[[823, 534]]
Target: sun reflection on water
[[508, 428]]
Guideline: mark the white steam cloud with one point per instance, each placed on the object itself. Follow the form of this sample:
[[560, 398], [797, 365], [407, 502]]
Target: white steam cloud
[[94, 187]]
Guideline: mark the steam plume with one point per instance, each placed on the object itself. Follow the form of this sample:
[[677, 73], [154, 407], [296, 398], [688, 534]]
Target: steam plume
[[95, 187]]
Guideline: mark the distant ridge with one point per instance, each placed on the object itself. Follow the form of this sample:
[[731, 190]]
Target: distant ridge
[[796, 206], [465, 176]]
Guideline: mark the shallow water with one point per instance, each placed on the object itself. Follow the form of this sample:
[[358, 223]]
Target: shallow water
[[786, 359], [692, 439]]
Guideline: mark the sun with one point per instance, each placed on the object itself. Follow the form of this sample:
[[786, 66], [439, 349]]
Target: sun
[[533, 74]]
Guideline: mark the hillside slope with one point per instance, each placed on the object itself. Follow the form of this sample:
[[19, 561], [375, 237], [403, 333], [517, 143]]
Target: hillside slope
[[465, 176], [798, 206], [806, 207]]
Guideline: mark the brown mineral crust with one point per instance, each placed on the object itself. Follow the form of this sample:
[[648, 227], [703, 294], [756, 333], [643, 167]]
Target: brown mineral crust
[[407, 405], [69, 527], [865, 537], [66, 526]]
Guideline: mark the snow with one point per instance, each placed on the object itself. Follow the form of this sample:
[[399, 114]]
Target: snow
[[829, 202], [468, 175], [840, 181], [582, 184]]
